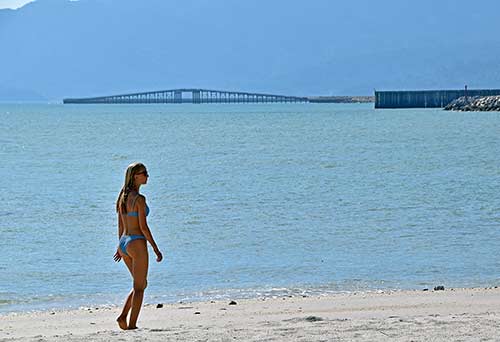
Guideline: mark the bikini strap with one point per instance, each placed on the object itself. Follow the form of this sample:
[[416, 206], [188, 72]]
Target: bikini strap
[[135, 200], [125, 218]]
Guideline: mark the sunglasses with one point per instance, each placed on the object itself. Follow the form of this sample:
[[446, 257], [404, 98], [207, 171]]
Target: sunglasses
[[145, 173]]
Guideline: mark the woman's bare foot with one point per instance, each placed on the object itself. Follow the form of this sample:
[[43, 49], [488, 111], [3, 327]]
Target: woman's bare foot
[[122, 322]]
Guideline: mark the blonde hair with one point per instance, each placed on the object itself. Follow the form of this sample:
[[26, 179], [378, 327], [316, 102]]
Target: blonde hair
[[128, 186]]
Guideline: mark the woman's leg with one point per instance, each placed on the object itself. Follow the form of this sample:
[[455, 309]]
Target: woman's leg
[[138, 251], [122, 319]]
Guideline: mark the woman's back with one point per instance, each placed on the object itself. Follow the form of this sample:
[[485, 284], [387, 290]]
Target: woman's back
[[131, 218]]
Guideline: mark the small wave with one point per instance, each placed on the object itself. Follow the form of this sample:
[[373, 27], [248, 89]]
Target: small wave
[[255, 293], [193, 222], [56, 302]]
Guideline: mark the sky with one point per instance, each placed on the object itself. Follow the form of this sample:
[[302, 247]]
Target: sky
[[293, 47], [13, 3]]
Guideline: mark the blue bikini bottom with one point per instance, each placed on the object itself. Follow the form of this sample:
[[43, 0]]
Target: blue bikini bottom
[[126, 239]]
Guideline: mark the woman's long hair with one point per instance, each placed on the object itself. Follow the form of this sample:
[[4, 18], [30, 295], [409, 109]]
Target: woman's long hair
[[128, 186]]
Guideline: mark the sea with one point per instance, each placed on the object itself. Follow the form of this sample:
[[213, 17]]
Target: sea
[[247, 200]]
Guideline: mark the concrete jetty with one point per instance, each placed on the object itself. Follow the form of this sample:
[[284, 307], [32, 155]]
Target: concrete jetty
[[426, 98]]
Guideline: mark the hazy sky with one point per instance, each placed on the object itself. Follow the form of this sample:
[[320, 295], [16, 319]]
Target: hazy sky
[[13, 3], [293, 47]]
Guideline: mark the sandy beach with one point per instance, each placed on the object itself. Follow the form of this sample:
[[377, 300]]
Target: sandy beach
[[452, 315]]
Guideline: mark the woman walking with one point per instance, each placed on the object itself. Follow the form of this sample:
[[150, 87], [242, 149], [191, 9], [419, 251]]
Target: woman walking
[[133, 232]]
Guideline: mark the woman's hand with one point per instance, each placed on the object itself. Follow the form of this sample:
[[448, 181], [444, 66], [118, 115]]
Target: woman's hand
[[159, 256], [117, 257]]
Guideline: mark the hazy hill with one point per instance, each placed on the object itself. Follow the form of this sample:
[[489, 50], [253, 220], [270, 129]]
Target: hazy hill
[[60, 48]]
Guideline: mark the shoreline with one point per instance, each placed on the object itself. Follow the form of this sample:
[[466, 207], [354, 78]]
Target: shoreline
[[251, 293], [470, 313]]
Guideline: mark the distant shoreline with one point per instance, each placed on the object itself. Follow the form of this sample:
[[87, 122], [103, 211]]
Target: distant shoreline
[[341, 99]]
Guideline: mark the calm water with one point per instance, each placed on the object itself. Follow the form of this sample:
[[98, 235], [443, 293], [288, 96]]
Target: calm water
[[247, 200]]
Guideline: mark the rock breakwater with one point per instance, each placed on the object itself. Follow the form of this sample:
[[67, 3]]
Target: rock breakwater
[[475, 103]]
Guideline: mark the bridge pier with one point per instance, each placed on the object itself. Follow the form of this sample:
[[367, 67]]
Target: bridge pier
[[196, 96]]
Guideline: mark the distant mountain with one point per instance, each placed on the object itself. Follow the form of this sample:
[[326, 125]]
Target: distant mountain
[[15, 94], [61, 48]]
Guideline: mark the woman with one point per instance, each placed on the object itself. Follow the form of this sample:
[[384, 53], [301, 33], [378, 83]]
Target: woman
[[133, 232]]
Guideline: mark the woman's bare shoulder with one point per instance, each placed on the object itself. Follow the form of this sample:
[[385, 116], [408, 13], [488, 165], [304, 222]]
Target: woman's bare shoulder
[[141, 199]]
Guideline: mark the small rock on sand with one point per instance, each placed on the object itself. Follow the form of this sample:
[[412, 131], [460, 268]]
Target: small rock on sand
[[313, 319]]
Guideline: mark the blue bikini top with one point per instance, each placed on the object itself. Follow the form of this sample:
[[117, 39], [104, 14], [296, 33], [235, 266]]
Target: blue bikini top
[[135, 213]]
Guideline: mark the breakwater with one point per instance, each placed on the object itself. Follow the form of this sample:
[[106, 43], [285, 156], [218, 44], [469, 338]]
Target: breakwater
[[475, 103], [426, 98]]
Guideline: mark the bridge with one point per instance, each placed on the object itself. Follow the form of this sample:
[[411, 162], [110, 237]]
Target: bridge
[[188, 96]]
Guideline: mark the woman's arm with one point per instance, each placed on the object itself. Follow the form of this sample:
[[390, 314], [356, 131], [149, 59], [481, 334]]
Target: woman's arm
[[117, 257], [120, 226], [143, 225]]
